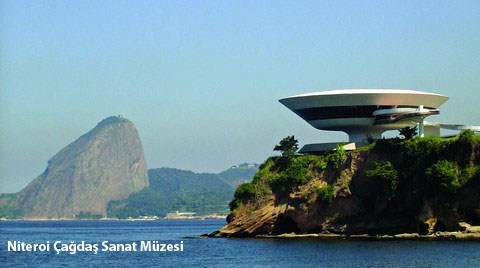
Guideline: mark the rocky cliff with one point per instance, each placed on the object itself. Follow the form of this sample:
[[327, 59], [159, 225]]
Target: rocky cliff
[[395, 186], [105, 164]]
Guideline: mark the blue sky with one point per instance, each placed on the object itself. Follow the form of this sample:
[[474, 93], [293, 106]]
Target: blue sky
[[201, 79]]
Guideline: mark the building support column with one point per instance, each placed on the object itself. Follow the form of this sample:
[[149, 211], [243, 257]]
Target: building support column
[[421, 127]]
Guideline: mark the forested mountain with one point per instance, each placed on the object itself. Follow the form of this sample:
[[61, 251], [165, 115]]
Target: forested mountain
[[174, 189]]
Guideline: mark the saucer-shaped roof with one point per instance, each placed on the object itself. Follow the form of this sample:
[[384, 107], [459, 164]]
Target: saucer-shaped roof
[[364, 97]]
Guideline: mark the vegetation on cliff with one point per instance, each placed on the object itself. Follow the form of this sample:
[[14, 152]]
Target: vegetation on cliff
[[283, 174], [391, 186]]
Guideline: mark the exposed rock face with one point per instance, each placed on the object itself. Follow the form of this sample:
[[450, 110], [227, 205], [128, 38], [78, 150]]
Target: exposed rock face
[[107, 163], [360, 205], [297, 214]]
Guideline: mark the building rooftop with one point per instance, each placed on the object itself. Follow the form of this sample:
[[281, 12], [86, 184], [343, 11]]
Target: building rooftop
[[364, 91]]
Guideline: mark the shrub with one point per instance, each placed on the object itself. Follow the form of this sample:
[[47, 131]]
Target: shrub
[[245, 192], [466, 137], [234, 204], [263, 171], [419, 153], [325, 194], [385, 146], [464, 147], [316, 162], [443, 176], [296, 173], [466, 175], [335, 157], [385, 175], [292, 176]]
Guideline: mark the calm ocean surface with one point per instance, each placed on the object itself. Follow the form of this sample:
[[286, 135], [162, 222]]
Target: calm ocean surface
[[218, 252]]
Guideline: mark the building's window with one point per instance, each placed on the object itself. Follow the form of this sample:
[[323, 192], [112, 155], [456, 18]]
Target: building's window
[[364, 111]]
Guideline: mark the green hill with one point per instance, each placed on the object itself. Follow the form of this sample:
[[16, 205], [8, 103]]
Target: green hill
[[174, 189], [237, 175]]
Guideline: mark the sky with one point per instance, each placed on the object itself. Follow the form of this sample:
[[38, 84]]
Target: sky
[[201, 80]]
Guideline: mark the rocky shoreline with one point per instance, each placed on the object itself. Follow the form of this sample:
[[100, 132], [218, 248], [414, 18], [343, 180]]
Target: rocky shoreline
[[422, 189], [471, 233], [460, 236]]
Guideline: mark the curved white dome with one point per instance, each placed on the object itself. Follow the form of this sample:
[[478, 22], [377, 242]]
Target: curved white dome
[[358, 97], [353, 110]]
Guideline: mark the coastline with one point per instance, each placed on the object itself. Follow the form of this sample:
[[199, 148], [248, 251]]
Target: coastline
[[454, 236], [471, 233]]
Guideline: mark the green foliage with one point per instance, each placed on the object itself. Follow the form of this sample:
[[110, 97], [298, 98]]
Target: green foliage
[[11, 213], [444, 176], [291, 176], [264, 171], [468, 174], [9, 208], [245, 191], [426, 167], [288, 146], [173, 189], [262, 179], [466, 137], [296, 173], [385, 175], [325, 194], [316, 162], [408, 132], [411, 172], [278, 176], [257, 189], [87, 216], [234, 204], [335, 157], [418, 154], [464, 147]]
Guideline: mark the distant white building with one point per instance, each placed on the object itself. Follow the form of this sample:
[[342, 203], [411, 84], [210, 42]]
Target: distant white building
[[180, 215]]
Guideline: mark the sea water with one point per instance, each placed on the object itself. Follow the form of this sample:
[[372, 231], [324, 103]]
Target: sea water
[[175, 243]]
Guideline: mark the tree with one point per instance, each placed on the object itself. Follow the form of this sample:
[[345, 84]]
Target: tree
[[464, 144], [335, 157], [408, 132], [385, 177], [244, 193], [288, 146], [443, 176]]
